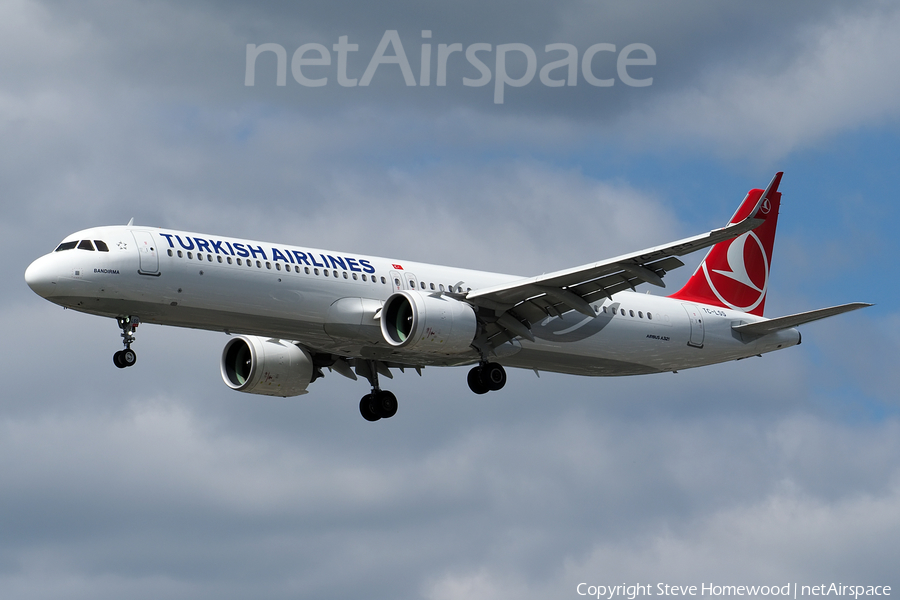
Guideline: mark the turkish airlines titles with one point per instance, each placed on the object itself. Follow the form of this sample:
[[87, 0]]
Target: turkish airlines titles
[[246, 250]]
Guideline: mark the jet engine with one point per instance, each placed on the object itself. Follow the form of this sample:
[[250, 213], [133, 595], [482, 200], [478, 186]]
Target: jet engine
[[266, 366], [428, 323]]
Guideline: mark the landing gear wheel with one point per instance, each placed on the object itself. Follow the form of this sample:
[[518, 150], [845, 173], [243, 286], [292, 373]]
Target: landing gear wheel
[[367, 408], [124, 358], [493, 375], [129, 357], [386, 404], [476, 383]]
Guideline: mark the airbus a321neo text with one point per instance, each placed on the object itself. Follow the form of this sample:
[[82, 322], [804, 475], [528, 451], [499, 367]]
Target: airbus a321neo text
[[294, 311]]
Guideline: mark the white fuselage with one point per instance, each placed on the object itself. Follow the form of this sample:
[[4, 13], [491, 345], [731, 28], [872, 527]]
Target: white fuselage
[[329, 302]]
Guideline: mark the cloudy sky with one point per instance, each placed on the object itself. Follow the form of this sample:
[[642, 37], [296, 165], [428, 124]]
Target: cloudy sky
[[159, 482]]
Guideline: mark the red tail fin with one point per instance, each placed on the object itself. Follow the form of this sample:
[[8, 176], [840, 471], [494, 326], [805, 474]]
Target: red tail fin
[[735, 273]]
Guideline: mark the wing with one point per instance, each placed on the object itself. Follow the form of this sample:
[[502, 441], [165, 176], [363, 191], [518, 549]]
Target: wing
[[508, 310]]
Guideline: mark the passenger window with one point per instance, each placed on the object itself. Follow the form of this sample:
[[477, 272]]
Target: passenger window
[[316, 271], [190, 255], [631, 312], [383, 280], [101, 245], [345, 274], [364, 278], [268, 265], [170, 252], [397, 282], [66, 246], [180, 255], [228, 260], [649, 316], [259, 264], [354, 276], [239, 262], [334, 273], [86, 245], [325, 272], [219, 258], [422, 285], [640, 314], [604, 309], [306, 269], [209, 258], [442, 287], [432, 286]]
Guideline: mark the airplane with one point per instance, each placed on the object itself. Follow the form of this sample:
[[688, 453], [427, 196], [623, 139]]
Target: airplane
[[293, 311]]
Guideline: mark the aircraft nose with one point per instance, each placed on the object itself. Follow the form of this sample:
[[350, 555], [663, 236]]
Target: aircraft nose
[[40, 276]]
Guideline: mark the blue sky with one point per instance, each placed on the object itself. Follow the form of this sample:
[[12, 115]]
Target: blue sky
[[160, 482]]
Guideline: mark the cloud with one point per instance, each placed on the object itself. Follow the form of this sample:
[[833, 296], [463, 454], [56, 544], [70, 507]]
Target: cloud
[[158, 496], [785, 534], [158, 481], [783, 539], [838, 79]]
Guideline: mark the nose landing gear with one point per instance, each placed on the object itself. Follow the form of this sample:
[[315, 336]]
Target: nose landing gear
[[127, 357]]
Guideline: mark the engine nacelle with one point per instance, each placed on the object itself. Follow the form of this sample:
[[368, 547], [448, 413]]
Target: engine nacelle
[[427, 323], [266, 366]]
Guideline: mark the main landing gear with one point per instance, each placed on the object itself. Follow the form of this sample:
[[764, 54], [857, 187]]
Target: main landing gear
[[379, 404], [487, 377], [127, 357]]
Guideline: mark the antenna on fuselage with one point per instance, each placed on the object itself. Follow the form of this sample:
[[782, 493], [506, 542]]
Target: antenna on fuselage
[[130, 222]]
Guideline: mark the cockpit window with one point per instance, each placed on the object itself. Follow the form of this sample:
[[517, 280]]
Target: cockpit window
[[66, 246], [101, 245], [86, 245]]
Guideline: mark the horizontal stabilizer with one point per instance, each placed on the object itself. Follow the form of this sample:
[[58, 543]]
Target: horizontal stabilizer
[[773, 325]]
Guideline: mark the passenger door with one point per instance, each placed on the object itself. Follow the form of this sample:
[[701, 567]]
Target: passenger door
[[148, 252], [696, 324]]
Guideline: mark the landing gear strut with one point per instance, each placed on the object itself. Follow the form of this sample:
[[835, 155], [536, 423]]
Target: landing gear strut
[[379, 404], [487, 377], [127, 357]]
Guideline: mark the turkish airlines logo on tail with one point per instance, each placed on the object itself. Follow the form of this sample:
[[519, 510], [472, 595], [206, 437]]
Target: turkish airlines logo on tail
[[742, 282], [735, 273]]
